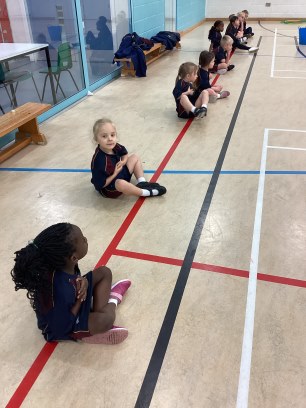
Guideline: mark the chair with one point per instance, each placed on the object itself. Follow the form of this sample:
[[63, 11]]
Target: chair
[[11, 79], [64, 63]]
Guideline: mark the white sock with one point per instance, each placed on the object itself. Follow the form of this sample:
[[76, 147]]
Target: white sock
[[204, 106], [113, 300], [193, 109], [140, 179], [218, 96], [146, 193]]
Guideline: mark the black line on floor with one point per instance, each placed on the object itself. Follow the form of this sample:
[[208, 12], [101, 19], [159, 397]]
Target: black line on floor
[[149, 383], [271, 31], [298, 48]]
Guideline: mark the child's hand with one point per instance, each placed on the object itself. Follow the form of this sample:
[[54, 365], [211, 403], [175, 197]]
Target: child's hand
[[190, 91], [239, 34], [118, 168], [82, 286]]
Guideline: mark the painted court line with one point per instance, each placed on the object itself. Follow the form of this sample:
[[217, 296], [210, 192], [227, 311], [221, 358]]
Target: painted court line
[[247, 345], [273, 53], [31, 376], [286, 148], [282, 280], [156, 361], [223, 172], [287, 70]]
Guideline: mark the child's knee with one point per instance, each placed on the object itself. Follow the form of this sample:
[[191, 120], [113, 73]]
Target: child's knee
[[134, 157], [119, 184], [103, 272]]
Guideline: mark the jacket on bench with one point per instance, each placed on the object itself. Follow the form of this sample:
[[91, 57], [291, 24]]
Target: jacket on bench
[[168, 38], [132, 46]]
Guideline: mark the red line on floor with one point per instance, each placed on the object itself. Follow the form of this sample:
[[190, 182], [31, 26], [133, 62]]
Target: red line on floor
[[211, 268], [46, 352], [31, 376], [281, 280], [148, 257]]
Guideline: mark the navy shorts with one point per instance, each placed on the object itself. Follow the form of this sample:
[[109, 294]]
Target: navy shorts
[[110, 191]]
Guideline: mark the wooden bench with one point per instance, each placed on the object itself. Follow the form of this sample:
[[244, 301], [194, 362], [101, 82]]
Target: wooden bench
[[23, 118], [151, 55]]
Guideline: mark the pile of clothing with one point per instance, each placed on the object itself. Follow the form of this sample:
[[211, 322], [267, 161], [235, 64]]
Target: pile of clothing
[[132, 46]]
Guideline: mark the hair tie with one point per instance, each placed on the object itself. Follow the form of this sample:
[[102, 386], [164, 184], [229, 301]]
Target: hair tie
[[31, 242]]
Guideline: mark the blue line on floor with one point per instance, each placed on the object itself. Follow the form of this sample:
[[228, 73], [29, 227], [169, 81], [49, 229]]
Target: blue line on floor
[[45, 170]]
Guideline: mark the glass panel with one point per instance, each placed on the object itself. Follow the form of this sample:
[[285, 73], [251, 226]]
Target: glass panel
[[105, 23], [35, 22]]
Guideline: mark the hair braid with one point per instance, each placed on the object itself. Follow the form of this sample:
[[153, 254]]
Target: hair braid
[[35, 263]]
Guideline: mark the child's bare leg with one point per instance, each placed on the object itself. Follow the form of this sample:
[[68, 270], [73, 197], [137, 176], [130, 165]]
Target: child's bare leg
[[135, 166], [127, 188], [222, 65], [217, 88], [211, 91], [103, 315], [186, 104], [202, 99]]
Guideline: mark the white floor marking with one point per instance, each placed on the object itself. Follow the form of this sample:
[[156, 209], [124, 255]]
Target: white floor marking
[[273, 53], [247, 345], [282, 77], [287, 130], [287, 70], [286, 148]]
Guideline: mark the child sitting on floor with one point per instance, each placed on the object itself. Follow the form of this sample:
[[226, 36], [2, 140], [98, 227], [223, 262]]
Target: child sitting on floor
[[206, 63], [215, 35], [222, 56], [247, 31], [189, 102], [68, 306], [112, 167], [233, 31]]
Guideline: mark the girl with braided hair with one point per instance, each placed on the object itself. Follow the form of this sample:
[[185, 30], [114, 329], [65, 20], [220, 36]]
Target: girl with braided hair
[[68, 306]]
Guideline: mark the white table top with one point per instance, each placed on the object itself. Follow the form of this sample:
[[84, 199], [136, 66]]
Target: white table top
[[12, 50]]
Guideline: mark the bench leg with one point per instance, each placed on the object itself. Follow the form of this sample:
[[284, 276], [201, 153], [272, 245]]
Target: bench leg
[[30, 129], [128, 69]]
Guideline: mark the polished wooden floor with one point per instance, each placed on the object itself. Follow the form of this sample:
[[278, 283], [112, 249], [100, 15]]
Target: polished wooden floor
[[216, 311]]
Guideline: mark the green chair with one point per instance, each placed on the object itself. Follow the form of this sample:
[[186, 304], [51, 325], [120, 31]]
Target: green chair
[[64, 63], [11, 79]]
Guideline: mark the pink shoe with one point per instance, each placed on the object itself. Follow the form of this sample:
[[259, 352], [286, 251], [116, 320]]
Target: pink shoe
[[224, 94], [115, 335], [119, 288]]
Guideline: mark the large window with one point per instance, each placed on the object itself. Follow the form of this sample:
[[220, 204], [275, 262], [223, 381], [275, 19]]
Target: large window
[[105, 23], [26, 76]]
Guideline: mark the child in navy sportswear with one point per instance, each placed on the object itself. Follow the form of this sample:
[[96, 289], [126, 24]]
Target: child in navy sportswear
[[222, 56], [68, 306], [189, 102], [206, 63], [215, 35], [112, 167]]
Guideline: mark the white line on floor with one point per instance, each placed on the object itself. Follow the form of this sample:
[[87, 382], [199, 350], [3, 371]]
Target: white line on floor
[[273, 53], [286, 148], [246, 355]]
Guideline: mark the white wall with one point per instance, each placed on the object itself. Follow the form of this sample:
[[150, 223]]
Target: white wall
[[282, 9]]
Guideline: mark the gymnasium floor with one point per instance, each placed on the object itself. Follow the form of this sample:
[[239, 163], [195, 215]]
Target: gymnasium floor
[[232, 221]]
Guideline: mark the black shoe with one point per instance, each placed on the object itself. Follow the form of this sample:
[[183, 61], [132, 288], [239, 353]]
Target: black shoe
[[161, 190], [200, 112], [146, 184], [230, 67]]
